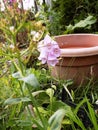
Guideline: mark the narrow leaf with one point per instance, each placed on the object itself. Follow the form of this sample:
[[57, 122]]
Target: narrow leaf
[[11, 101]]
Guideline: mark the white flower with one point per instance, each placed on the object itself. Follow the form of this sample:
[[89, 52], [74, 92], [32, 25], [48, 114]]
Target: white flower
[[33, 33], [11, 28], [28, 4], [2, 7], [12, 46]]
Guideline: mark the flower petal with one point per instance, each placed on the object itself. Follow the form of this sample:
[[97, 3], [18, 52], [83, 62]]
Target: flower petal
[[51, 57], [47, 40], [43, 56], [52, 62], [56, 51]]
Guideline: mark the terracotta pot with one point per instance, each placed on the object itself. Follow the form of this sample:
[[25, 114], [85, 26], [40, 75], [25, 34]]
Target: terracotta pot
[[79, 57]]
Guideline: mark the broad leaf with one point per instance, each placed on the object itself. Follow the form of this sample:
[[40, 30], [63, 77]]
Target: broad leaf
[[55, 120], [50, 92], [82, 23], [17, 75], [31, 80]]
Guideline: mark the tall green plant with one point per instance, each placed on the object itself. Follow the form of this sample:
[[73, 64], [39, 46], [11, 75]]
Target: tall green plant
[[68, 12]]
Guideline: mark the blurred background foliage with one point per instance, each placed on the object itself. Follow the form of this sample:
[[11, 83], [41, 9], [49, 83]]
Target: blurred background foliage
[[62, 13]]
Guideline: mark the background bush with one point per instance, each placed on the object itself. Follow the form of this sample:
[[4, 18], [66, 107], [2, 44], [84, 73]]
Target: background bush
[[67, 12]]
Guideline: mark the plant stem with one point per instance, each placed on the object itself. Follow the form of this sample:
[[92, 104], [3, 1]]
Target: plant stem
[[34, 103]]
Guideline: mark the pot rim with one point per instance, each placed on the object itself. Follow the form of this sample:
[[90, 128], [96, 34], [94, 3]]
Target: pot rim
[[79, 51], [77, 34]]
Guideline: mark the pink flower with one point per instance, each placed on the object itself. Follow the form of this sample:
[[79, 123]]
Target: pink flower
[[52, 59], [43, 56], [49, 51], [55, 50], [12, 1], [52, 62]]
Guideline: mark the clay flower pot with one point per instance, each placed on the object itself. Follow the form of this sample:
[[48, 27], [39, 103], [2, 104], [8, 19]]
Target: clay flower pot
[[79, 57]]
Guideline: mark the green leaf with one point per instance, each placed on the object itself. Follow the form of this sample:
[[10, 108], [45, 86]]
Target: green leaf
[[11, 101], [17, 75], [59, 104], [6, 30], [20, 27], [50, 92], [31, 80], [79, 105], [38, 92], [24, 123], [92, 116], [82, 23], [55, 120]]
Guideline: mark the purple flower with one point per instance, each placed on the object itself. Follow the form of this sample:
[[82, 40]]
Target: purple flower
[[49, 51], [52, 59], [55, 50], [43, 56]]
